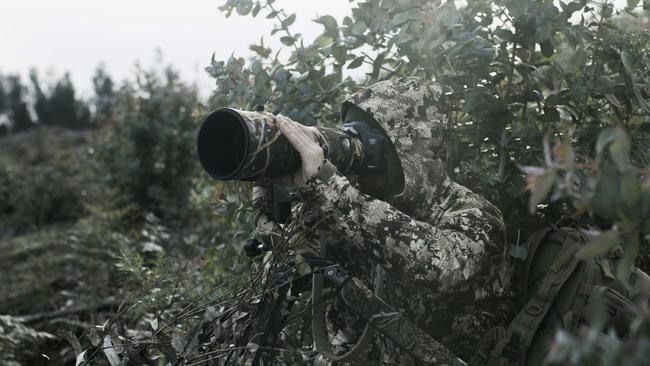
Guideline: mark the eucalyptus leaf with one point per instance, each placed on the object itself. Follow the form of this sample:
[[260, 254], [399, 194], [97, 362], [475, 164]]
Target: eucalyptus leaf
[[358, 28], [559, 98], [613, 100], [405, 16], [356, 62], [260, 50], [261, 79], [323, 41], [340, 53], [256, 9], [571, 7], [244, 7], [81, 358], [287, 40], [289, 21], [109, 350]]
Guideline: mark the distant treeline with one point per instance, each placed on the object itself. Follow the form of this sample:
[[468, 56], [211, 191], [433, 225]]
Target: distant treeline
[[27, 104]]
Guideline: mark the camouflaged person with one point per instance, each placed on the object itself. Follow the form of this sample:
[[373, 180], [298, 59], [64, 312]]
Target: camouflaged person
[[441, 246]]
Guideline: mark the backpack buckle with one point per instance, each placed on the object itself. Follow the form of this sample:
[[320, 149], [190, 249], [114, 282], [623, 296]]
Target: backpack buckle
[[513, 348], [535, 308]]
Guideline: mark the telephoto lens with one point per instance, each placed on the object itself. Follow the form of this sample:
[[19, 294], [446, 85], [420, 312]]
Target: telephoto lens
[[242, 145]]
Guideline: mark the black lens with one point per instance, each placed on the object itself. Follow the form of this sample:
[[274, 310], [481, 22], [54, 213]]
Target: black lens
[[222, 144]]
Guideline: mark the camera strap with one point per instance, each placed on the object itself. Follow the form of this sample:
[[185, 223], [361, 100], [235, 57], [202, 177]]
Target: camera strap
[[319, 329], [381, 317]]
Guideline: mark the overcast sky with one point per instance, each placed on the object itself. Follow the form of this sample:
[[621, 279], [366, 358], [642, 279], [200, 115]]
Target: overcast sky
[[77, 35]]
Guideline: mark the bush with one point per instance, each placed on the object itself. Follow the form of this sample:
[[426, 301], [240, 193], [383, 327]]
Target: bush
[[146, 155], [44, 176]]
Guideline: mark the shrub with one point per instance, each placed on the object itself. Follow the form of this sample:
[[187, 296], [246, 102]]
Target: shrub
[[44, 176], [146, 155]]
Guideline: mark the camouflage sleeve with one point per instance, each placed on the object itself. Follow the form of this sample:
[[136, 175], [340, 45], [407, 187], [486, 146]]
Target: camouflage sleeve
[[462, 240]]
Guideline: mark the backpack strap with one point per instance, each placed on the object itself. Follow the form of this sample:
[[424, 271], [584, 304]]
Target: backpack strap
[[582, 295], [496, 335], [520, 334], [532, 244], [486, 344]]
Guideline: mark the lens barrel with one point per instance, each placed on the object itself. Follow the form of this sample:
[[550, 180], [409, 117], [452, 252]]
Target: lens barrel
[[234, 144]]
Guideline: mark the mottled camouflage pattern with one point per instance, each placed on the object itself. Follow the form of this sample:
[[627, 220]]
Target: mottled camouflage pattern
[[406, 109], [442, 246]]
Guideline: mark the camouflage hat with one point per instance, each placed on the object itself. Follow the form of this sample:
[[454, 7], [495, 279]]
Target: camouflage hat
[[406, 109]]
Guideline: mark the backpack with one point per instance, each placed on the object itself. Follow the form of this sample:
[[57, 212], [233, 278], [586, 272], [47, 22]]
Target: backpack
[[564, 292]]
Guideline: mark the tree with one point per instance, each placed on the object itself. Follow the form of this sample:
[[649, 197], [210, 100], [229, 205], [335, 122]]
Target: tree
[[104, 95], [19, 115], [64, 108], [148, 156], [3, 95], [58, 105], [4, 127]]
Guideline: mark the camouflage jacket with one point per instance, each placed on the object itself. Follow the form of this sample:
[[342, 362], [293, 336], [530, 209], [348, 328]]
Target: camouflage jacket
[[441, 245]]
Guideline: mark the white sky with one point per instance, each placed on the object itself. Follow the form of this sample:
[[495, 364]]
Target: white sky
[[56, 36]]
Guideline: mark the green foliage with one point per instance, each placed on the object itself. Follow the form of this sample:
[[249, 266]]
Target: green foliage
[[147, 156], [104, 96], [55, 104], [59, 106], [310, 86], [142, 251], [16, 106], [15, 337], [43, 178], [3, 96], [59, 278]]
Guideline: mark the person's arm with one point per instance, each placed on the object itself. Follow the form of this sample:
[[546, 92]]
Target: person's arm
[[465, 243], [311, 154]]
